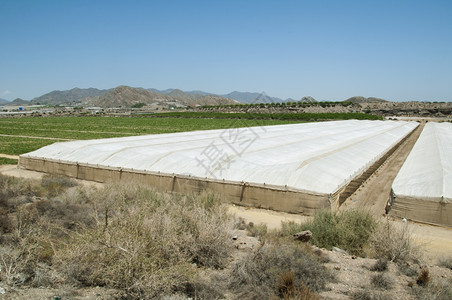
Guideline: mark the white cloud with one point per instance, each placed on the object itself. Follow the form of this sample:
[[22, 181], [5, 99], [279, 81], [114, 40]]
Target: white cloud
[[7, 92]]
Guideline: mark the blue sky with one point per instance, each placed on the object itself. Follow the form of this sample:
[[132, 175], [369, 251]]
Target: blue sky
[[330, 50]]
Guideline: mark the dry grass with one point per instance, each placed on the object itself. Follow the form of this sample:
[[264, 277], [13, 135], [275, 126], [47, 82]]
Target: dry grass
[[380, 265], [369, 294], [126, 237], [349, 230], [394, 243], [445, 262], [279, 268], [382, 281]]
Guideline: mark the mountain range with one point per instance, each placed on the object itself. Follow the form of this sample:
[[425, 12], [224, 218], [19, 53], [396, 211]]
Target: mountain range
[[126, 96], [361, 99], [69, 96]]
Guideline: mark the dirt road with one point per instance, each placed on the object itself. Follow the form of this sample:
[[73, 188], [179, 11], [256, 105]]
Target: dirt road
[[9, 156], [36, 137], [373, 194]]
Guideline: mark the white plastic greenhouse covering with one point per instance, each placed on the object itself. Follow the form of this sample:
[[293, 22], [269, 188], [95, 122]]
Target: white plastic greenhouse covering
[[318, 158], [422, 190]]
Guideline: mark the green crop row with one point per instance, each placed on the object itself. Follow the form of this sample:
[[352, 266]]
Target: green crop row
[[272, 116], [22, 135]]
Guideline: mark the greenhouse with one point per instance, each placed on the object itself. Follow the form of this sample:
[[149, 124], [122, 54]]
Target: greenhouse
[[422, 190], [295, 168]]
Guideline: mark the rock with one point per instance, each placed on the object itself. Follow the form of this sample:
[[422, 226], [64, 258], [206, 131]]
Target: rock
[[339, 250], [303, 236]]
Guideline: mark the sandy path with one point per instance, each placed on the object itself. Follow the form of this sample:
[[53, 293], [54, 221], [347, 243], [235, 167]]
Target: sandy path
[[270, 218], [36, 137], [14, 171], [374, 193], [9, 156]]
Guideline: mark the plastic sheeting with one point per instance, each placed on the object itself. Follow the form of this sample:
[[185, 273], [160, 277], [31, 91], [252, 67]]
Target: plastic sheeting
[[427, 172], [317, 157]]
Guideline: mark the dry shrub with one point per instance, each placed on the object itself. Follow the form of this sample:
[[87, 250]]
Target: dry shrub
[[147, 243], [5, 223], [424, 277], [445, 262], [349, 230], [287, 288], [126, 237], [408, 269], [439, 289], [259, 231], [380, 265], [16, 191], [289, 228], [56, 184], [394, 243], [382, 281], [370, 294], [260, 275]]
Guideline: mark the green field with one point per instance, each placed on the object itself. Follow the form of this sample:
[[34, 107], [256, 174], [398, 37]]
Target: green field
[[305, 117], [22, 135]]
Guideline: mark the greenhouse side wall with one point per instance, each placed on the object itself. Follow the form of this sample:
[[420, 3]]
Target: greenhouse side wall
[[431, 211], [246, 194]]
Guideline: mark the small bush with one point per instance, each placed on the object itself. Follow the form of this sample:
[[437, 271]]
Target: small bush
[[349, 230], [370, 295], [394, 243], [289, 228], [258, 231], [424, 277], [445, 262], [55, 185], [240, 223], [408, 269], [13, 189], [439, 290], [5, 223], [380, 265], [382, 281], [261, 275], [287, 288]]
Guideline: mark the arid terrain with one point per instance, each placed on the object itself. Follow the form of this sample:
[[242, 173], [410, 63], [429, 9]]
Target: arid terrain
[[356, 277]]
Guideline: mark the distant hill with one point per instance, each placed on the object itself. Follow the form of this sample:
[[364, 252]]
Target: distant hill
[[361, 99], [125, 96], [167, 91], [308, 99], [3, 101], [246, 97], [201, 93], [106, 98], [73, 95], [19, 101]]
